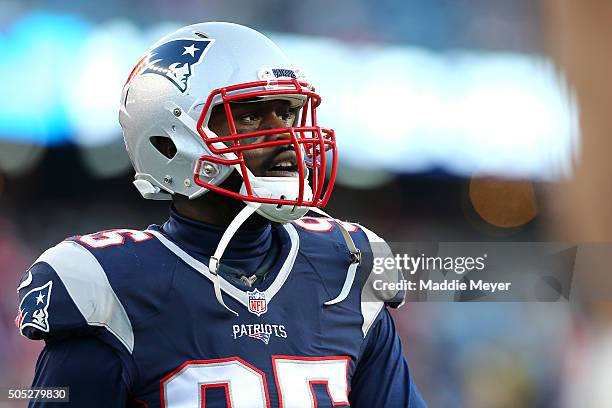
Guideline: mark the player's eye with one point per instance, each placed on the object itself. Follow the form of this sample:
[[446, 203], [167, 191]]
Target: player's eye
[[287, 116], [249, 119]]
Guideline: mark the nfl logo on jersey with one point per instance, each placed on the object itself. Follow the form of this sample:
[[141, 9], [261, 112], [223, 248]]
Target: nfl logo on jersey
[[257, 302]]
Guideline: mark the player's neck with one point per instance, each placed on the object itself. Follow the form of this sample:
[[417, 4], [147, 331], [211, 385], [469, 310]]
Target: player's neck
[[216, 209]]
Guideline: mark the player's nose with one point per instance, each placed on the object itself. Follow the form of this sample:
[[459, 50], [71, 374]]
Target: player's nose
[[273, 121]]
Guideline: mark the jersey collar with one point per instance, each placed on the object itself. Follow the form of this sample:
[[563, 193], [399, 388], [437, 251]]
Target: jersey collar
[[272, 285], [246, 251]]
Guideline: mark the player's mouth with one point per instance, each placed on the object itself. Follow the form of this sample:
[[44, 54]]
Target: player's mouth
[[284, 165]]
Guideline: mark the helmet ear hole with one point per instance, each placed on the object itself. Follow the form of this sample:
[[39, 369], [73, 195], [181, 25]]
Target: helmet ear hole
[[164, 145]]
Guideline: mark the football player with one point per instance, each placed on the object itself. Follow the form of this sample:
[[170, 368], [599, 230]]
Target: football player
[[239, 299]]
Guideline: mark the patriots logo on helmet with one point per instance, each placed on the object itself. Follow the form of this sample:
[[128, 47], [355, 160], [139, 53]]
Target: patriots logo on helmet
[[173, 60]]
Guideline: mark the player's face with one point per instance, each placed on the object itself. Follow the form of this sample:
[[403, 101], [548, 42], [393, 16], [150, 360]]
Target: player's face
[[275, 161]]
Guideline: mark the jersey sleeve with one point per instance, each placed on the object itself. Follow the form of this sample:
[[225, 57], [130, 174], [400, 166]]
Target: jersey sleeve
[[90, 369], [66, 293], [382, 378], [380, 282], [384, 270]]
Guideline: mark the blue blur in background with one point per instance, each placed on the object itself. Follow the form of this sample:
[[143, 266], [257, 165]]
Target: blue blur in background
[[424, 96]]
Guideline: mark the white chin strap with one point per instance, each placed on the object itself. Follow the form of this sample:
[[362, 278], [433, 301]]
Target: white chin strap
[[213, 265], [243, 215]]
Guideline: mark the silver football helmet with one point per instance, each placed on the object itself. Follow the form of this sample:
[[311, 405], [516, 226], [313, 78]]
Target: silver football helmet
[[171, 93]]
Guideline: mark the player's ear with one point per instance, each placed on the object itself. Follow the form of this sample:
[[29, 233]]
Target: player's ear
[[164, 145]]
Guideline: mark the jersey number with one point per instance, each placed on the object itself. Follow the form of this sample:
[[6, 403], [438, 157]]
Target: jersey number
[[113, 237], [245, 385], [318, 224]]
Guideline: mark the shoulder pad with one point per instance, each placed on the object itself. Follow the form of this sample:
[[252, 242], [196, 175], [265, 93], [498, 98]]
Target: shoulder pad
[[374, 251], [67, 291], [377, 277], [328, 248]]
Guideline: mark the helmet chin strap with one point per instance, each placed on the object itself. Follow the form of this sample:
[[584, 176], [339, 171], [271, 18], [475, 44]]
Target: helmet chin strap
[[213, 265], [355, 254], [243, 215]]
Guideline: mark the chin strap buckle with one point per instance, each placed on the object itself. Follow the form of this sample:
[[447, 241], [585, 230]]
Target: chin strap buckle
[[213, 265], [249, 281], [355, 256]]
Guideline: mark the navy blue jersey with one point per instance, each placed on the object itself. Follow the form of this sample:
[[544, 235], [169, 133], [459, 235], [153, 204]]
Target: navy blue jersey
[[130, 318]]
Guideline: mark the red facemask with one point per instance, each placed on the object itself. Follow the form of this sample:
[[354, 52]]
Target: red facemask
[[310, 142]]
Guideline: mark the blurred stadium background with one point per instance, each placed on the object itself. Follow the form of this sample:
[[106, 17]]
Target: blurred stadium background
[[452, 121]]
